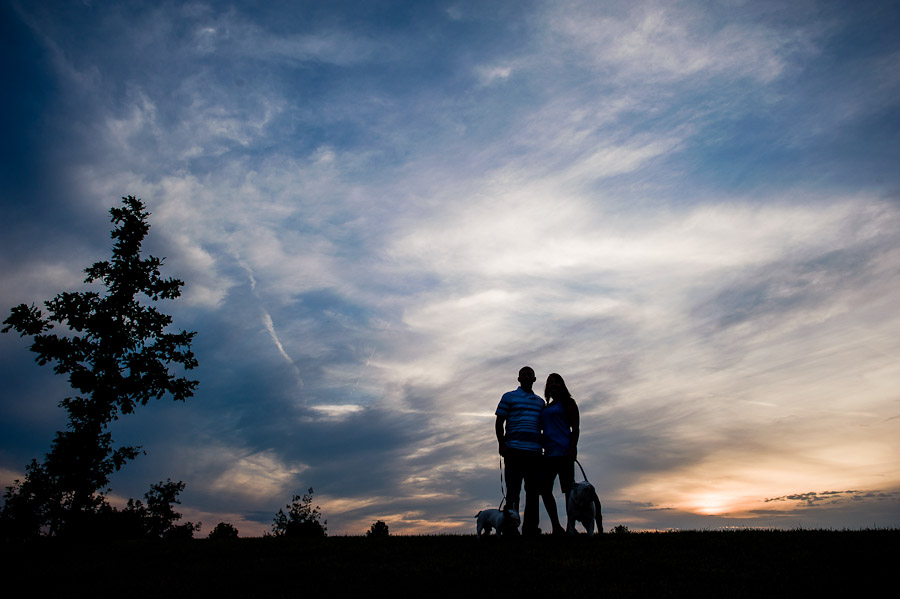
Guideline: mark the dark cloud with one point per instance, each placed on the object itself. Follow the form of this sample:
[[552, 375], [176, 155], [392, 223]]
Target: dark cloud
[[814, 498]]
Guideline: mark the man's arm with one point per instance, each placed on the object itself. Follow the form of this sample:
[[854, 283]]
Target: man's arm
[[498, 428]]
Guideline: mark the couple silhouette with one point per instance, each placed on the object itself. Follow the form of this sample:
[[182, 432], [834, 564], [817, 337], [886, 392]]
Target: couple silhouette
[[538, 441]]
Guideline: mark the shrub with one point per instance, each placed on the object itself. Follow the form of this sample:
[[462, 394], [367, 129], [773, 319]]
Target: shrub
[[156, 520], [301, 519], [223, 530], [378, 529]]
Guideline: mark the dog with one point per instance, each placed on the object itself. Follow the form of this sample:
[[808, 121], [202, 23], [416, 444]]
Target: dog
[[505, 522], [583, 505]]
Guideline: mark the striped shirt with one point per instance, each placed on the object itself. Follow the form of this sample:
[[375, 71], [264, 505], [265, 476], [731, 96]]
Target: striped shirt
[[522, 412]]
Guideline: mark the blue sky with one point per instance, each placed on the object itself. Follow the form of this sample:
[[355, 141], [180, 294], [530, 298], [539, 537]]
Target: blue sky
[[383, 209]]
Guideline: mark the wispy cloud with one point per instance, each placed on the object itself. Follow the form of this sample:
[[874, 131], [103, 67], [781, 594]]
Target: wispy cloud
[[670, 41]]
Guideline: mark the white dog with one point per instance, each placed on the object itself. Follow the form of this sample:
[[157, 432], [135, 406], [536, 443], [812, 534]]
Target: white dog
[[583, 505], [505, 522]]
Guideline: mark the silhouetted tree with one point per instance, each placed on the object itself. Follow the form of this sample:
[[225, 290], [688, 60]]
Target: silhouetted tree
[[223, 530], [157, 519], [301, 519], [378, 529], [116, 355]]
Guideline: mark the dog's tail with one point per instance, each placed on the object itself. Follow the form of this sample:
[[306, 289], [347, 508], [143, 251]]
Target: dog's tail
[[478, 514]]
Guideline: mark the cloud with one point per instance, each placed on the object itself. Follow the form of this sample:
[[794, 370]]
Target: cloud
[[490, 74], [259, 475], [812, 498], [231, 34], [664, 42]]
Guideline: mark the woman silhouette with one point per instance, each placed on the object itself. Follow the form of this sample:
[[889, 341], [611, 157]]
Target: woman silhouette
[[559, 436]]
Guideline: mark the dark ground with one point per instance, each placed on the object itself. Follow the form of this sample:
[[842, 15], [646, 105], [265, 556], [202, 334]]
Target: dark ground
[[692, 564]]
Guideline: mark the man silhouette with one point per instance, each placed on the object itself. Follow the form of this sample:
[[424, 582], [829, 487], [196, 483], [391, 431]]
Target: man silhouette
[[519, 413]]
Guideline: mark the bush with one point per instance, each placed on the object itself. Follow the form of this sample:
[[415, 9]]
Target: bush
[[223, 530], [301, 519], [158, 517], [378, 529]]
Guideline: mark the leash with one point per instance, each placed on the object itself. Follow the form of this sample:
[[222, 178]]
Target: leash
[[502, 487], [583, 475], [597, 515]]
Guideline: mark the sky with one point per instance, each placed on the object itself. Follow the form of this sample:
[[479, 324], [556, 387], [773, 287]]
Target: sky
[[382, 210]]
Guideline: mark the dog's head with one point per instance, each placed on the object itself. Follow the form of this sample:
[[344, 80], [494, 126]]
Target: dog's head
[[511, 521], [583, 493]]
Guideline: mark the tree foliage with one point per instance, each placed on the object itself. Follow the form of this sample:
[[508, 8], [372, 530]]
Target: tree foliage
[[302, 520], [157, 520], [223, 531], [379, 528], [116, 355]]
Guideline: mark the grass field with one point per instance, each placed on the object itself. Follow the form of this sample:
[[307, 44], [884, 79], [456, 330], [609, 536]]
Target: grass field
[[745, 563]]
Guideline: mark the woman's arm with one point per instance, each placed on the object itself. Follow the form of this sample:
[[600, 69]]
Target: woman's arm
[[574, 420]]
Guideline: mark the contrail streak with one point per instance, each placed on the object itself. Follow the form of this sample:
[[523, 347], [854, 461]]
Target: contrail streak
[[270, 326]]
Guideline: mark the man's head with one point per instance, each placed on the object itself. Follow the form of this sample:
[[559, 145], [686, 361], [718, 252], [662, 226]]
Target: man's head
[[526, 378]]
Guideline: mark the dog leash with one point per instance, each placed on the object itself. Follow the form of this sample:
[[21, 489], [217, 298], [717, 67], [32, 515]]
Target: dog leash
[[583, 475], [502, 487]]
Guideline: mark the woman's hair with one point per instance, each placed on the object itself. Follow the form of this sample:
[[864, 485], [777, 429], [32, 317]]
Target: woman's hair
[[560, 393]]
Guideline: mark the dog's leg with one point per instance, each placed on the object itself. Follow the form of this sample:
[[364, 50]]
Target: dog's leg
[[597, 514]]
